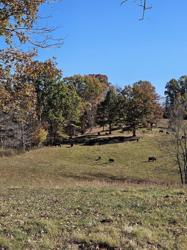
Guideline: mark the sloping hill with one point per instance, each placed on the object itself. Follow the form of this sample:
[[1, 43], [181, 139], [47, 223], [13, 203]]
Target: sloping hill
[[59, 166], [77, 198]]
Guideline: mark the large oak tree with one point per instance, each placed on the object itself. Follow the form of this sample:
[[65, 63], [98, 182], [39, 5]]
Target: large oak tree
[[141, 105]]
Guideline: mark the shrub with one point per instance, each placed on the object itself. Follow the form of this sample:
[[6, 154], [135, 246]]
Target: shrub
[[40, 136]]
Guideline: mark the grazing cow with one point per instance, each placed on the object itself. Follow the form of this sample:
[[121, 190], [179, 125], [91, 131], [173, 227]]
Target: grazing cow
[[167, 133], [161, 131], [111, 160], [71, 145], [98, 133], [152, 158]]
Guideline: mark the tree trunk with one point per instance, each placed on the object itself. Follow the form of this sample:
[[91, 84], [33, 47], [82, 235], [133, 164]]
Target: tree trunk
[[185, 176], [2, 145], [134, 132], [110, 128], [181, 176], [151, 126], [52, 133], [23, 137]]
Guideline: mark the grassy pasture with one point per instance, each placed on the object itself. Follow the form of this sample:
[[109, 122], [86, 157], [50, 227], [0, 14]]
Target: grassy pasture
[[64, 198], [94, 218], [61, 166]]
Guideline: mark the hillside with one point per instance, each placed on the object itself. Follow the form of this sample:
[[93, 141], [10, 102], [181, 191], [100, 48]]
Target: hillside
[[69, 198], [59, 166]]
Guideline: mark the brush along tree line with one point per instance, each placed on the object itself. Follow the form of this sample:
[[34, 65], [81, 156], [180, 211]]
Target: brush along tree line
[[176, 111]]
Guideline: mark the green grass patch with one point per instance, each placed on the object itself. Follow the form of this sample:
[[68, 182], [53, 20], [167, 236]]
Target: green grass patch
[[61, 166], [87, 218]]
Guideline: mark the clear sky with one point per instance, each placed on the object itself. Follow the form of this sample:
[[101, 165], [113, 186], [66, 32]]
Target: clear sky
[[100, 36]]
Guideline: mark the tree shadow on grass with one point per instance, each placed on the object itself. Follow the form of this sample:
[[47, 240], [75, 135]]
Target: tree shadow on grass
[[91, 140], [110, 140], [104, 177]]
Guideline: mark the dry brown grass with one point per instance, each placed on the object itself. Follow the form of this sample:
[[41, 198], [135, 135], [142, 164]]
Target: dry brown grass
[[61, 166]]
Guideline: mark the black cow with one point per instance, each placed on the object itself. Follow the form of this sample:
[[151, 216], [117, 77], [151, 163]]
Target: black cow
[[184, 137], [111, 160], [152, 158]]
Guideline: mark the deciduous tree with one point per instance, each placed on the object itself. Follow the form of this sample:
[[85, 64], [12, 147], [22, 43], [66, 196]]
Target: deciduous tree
[[91, 89], [107, 111], [17, 22], [141, 103], [175, 90]]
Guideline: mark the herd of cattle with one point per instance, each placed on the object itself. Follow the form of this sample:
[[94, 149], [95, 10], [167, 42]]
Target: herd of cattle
[[111, 160]]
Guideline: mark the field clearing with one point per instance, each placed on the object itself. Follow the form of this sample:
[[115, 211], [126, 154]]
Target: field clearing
[[65, 198], [61, 166]]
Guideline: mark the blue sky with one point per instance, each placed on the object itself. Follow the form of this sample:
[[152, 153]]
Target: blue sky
[[100, 36]]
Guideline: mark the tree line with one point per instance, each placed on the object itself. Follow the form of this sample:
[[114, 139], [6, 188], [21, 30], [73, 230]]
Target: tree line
[[39, 100], [46, 105], [42, 102]]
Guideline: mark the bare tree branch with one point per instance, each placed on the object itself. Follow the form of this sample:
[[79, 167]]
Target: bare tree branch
[[18, 23], [141, 3]]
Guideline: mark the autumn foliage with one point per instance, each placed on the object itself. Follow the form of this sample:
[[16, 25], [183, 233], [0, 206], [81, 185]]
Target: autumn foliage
[[43, 104]]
